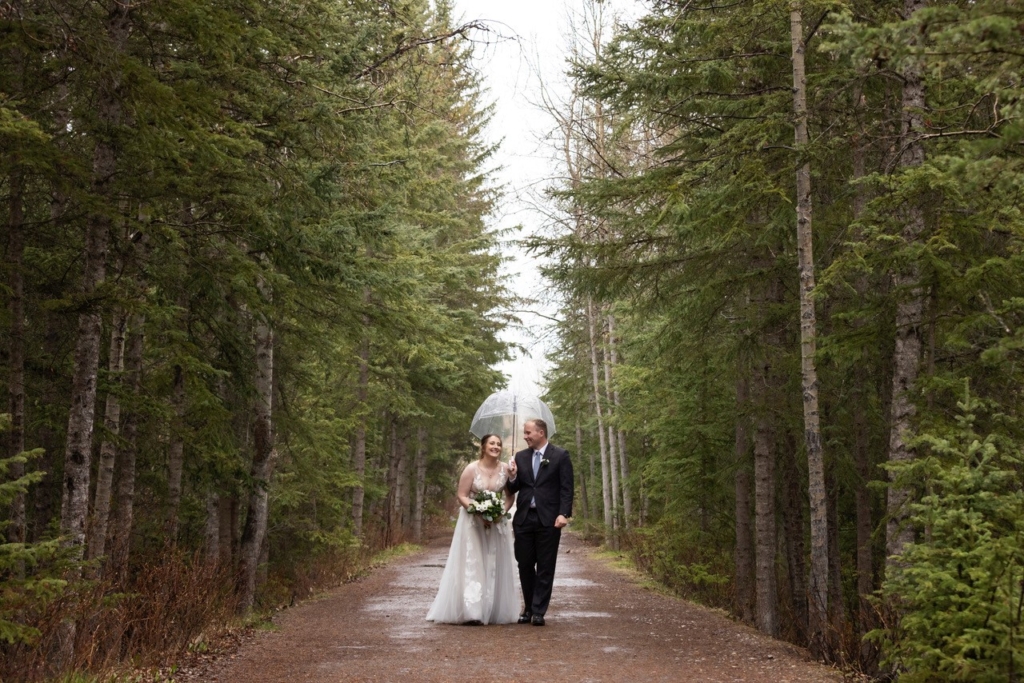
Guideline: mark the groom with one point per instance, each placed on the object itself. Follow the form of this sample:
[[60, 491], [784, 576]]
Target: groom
[[542, 476]]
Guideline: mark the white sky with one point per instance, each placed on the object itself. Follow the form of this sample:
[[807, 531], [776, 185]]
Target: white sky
[[532, 40]]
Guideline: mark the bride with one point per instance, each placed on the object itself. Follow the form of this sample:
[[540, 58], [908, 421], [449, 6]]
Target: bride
[[478, 583]]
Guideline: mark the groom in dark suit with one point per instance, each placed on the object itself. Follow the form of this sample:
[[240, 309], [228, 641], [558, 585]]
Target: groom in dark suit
[[541, 475]]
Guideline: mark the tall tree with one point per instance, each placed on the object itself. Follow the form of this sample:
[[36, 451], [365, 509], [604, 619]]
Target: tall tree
[[910, 307], [808, 344], [16, 351], [109, 115], [111, 432], [263, 457], [607, 490], [420, 484], [744, 553], [127, 455], [627, 498]]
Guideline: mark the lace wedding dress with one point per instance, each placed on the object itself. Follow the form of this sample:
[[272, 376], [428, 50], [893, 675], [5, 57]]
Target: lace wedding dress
[[479, 579]]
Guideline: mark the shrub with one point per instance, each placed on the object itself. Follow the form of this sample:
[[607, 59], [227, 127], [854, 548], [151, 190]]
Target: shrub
[[29, 574], [958, 592]]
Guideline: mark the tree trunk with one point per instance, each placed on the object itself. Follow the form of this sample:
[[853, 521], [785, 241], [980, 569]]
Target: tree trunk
[[396, 486], [613, 457], [909, 311], [585, 503], [421, 484], [175, 454], [263, 458], [837, 613], [818, 594], [793, 516], [124, 493], [402, 487], [645, 499], [16, 528], [592, 458], [627, 498], [606, 488], [707, 468], [861, 445], [765, 385], [78, 449], [47, 493], [263, 566], [211, 535], [375, 512], [766, 615], [108, 451], [16, 531], [176, 448], [359, 445], [744, 555], [228, 523], [865, 562], [392, 519]]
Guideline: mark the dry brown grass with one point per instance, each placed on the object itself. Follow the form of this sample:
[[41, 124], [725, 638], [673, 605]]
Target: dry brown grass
[[166, 606], [161, 608]]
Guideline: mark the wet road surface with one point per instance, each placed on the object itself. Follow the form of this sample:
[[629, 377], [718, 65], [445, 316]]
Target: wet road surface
[[601, 626]]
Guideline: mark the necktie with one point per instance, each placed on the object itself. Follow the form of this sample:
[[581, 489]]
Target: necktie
[[536, 469]]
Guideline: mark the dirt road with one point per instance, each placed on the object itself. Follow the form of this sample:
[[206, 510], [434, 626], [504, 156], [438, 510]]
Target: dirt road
[[601, 626]]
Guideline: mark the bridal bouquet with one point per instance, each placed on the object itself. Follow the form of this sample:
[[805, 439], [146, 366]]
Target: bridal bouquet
[[488, 505]]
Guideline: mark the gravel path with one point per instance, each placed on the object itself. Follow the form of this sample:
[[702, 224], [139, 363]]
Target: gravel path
[[601, 626]]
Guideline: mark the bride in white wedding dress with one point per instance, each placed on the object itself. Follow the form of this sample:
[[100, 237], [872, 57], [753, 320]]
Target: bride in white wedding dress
[[478, 583]]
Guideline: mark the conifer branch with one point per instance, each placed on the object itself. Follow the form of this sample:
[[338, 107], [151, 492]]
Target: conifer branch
[[420, 42]]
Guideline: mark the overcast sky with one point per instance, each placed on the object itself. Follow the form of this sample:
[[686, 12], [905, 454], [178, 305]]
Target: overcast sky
[[527, 44]]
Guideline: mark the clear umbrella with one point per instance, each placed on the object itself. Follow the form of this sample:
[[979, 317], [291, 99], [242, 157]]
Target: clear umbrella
[[504, 412]]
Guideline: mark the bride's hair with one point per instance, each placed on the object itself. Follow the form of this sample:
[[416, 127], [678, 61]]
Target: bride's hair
[[483, 443]]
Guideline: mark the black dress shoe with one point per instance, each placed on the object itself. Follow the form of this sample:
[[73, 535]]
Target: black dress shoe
[[538, 619], [525, 618]]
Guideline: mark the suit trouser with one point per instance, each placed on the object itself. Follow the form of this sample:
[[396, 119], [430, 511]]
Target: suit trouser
[[536, 549]]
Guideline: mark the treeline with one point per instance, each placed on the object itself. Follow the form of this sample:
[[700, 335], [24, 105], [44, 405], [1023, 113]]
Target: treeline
[[789, 239], [250, 306]]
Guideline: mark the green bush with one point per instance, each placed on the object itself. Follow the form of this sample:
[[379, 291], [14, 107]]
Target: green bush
[[27, 578], [959, 590]]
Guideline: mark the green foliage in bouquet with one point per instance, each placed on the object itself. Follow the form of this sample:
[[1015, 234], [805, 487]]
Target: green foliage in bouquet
[[489, 505]]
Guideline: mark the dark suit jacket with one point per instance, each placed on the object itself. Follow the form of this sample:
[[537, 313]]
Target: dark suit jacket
[[553, 488]]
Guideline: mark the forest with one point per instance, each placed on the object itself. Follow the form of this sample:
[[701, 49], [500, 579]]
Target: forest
[[250, 304], [787, 236], [252, 296]]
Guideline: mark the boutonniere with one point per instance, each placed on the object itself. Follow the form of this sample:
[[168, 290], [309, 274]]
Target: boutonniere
[[544, 462]]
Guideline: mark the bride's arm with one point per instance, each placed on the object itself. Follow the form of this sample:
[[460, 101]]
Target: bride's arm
[[466, 485]]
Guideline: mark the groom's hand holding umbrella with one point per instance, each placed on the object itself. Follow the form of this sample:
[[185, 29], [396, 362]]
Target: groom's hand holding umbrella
[[512, 469]]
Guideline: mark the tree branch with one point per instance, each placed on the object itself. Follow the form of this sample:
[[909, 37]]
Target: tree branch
[[419, 42]]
